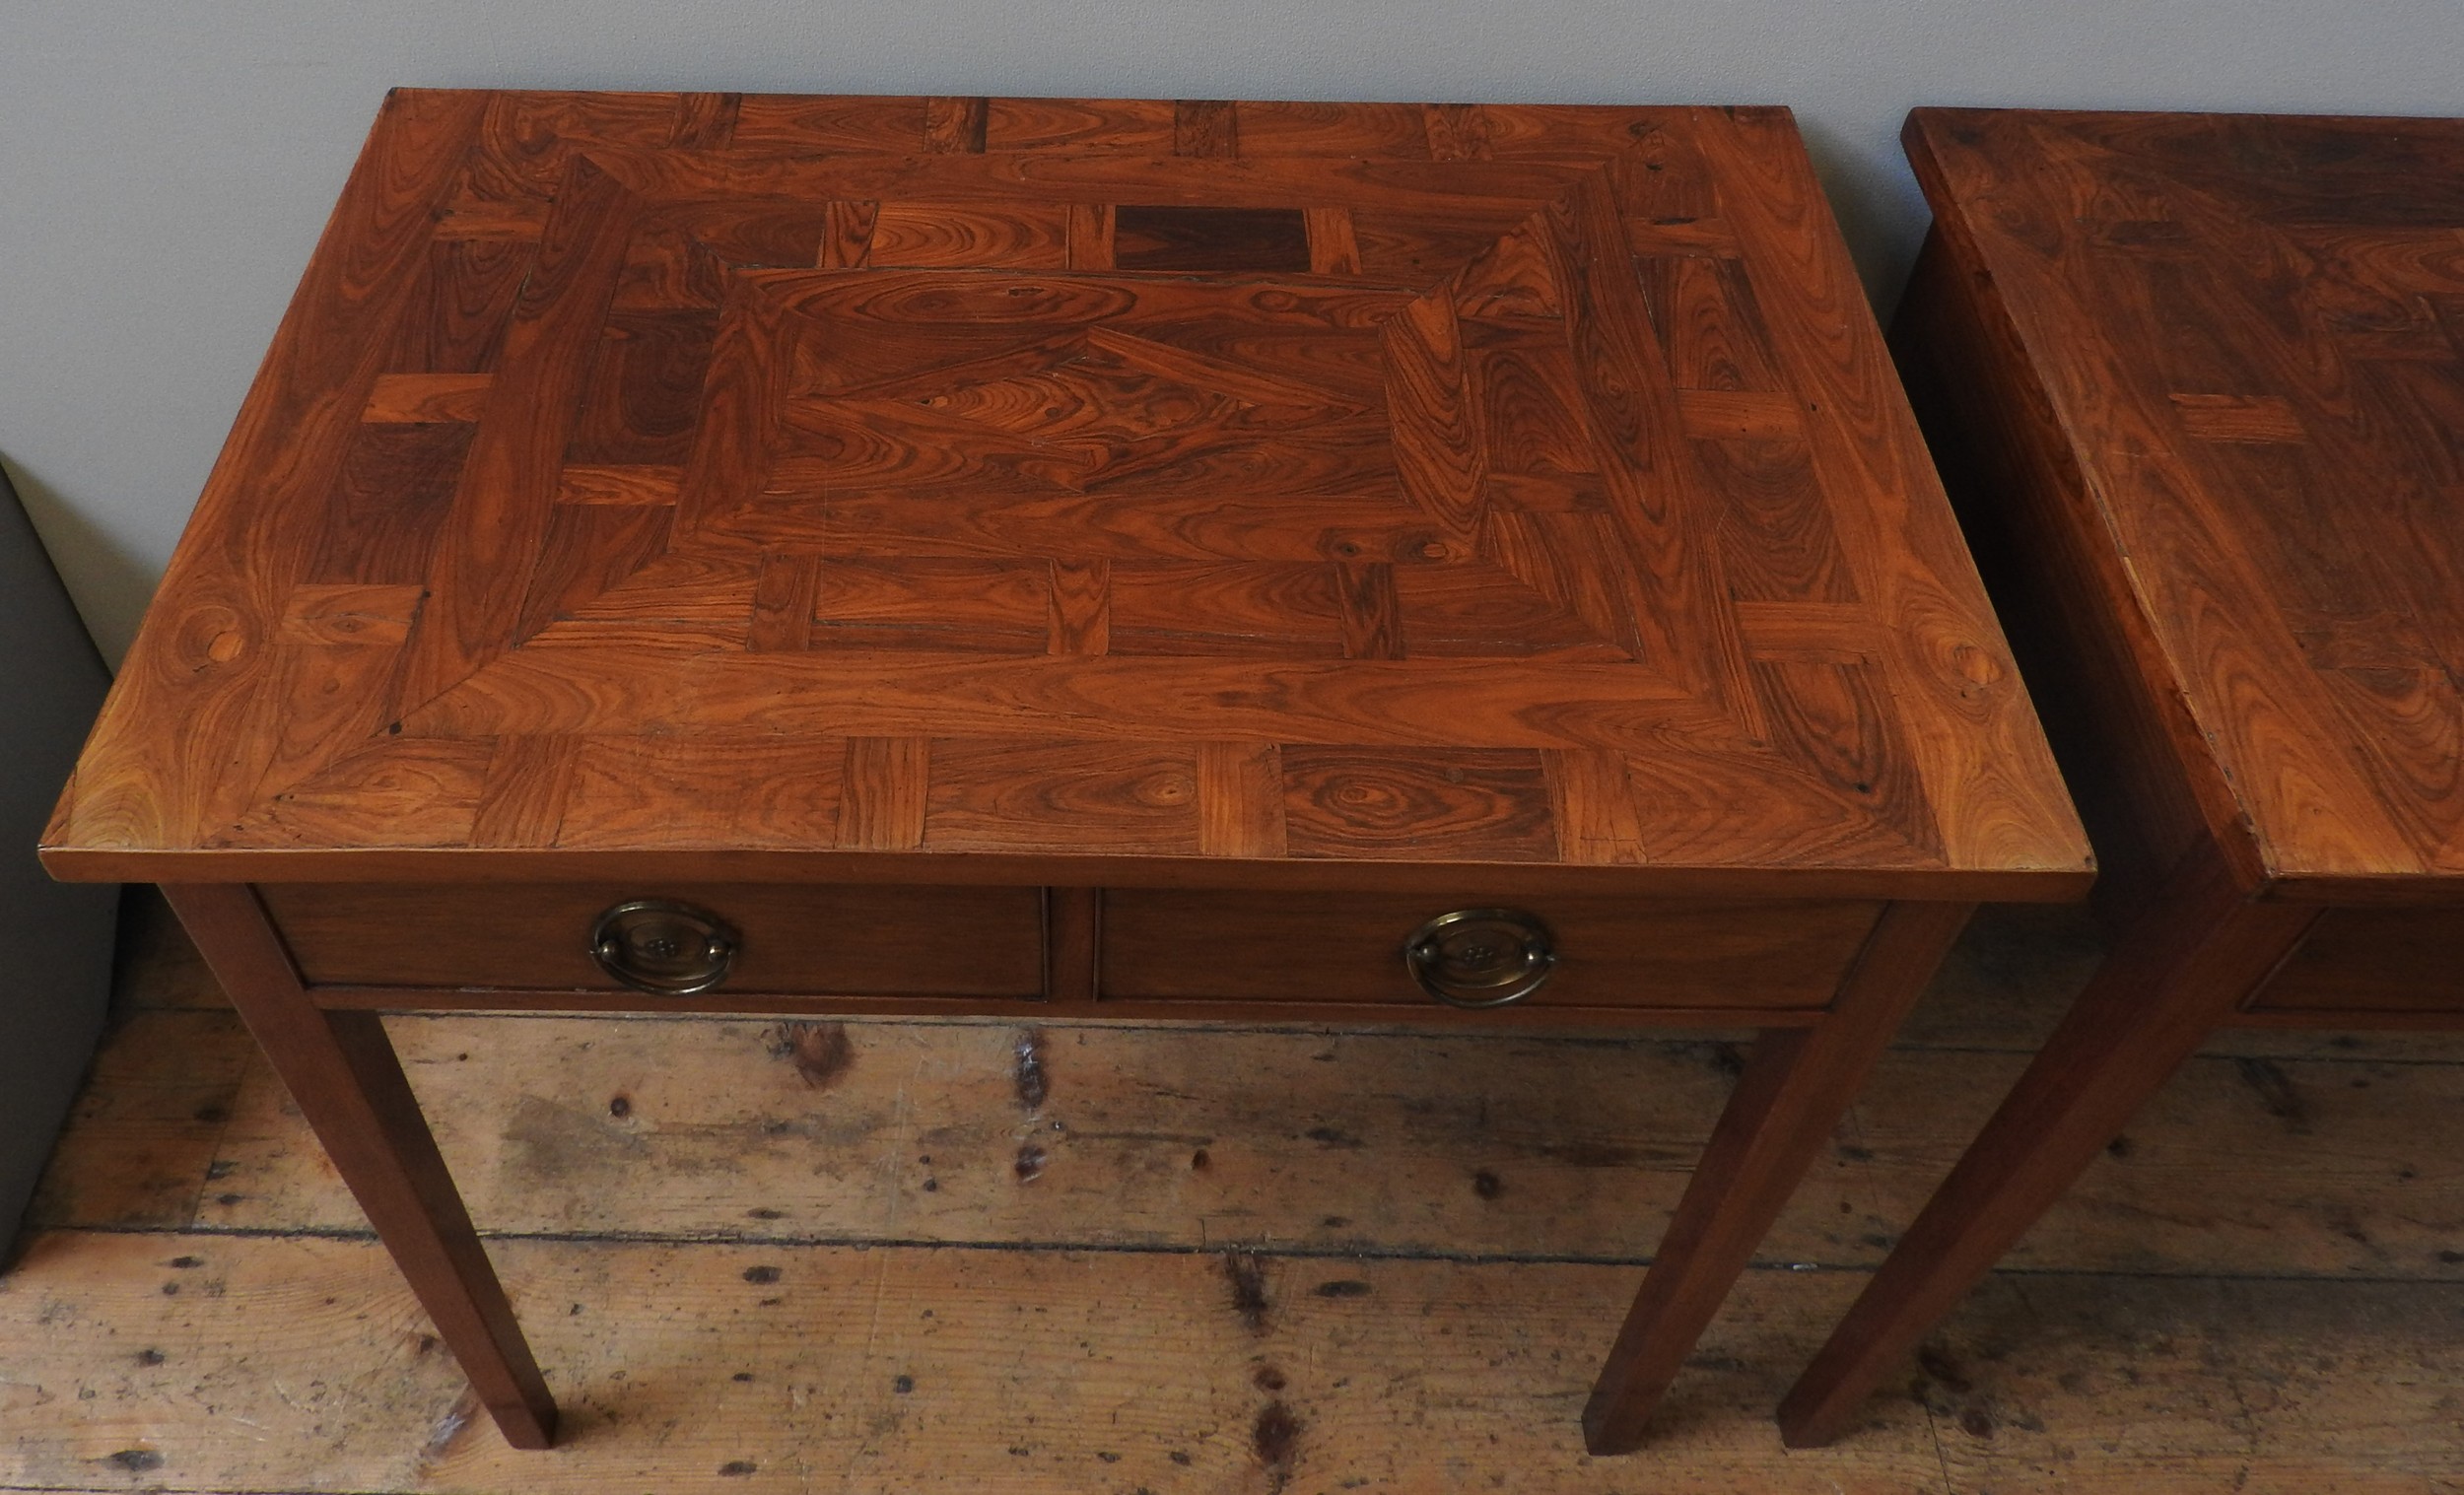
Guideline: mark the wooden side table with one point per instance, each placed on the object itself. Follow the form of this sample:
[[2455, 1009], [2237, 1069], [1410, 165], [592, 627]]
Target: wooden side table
[[1074, 559], [2199, 381]]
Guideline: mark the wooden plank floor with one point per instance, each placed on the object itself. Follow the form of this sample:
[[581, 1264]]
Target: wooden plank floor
[[905, 1257]]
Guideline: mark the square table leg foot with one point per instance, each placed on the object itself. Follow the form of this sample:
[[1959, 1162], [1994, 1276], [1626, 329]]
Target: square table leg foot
[[2197, 949], [525, 1425], [342, 1070], [1798, 1083]]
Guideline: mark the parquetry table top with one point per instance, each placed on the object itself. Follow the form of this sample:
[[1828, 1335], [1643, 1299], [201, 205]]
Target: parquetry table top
[[2249, 330], [1157, 485]]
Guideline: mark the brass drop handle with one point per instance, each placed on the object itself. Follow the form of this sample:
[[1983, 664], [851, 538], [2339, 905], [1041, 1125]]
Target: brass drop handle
[[665, 948], [1479, 958]]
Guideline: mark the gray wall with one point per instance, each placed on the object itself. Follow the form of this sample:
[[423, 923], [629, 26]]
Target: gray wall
[[164, 166]]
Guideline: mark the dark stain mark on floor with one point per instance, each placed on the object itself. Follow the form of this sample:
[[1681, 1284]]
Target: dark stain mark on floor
[[760, 1274], [820, 1052], [1268, 1379], [1248, 1276], [545, 1141], [136, 1461], [1030, 1164], [1330, 1137], [1936, 1362], [1027, 1075], [1344, 1287], [1487, 1185], [1724, 1058], [2277, 1093], [1275, 1439]]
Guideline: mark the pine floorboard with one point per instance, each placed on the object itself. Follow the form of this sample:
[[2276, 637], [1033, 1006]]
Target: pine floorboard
[[900, 1256]]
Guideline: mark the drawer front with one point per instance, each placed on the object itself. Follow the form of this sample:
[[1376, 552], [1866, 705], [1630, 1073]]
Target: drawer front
[[1172, 945], [2373, 960], [795, 939]]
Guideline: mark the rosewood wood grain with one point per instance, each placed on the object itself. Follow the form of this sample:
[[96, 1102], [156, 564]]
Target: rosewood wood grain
[[2197, 386], [1009, 443], [2025, 503], [2246, 366], [342, 1070], [215, 667]]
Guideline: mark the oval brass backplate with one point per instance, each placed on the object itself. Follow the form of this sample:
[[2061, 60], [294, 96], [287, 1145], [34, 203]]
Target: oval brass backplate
[[1476, 958], [665, 948]]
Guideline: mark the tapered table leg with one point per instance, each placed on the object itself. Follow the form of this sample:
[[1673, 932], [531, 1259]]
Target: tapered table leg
[[342, 1070], [1797, 1084], [2197, 950]]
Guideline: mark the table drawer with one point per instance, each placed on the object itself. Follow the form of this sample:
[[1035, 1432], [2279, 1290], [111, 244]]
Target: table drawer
[[2372, 960], [1174, 945], [801, 938]]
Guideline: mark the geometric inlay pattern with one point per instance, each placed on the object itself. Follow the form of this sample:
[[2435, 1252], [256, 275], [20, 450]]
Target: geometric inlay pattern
[[1136, 480]]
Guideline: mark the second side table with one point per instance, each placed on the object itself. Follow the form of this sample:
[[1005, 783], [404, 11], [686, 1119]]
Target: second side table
[[2201, 379]]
